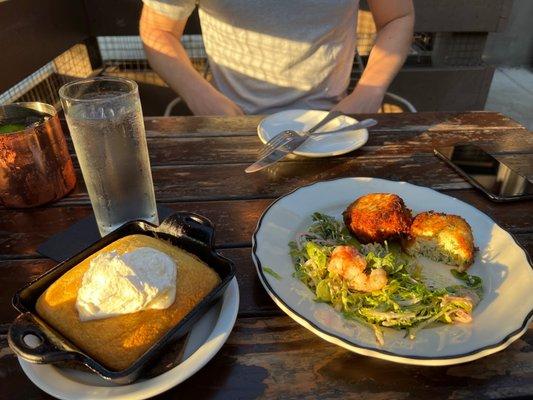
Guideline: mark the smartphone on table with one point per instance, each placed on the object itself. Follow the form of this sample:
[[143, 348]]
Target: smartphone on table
[[494, 178]]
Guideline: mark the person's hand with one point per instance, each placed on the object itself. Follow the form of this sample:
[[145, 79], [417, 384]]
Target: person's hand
[[213, 103], [363, 100]]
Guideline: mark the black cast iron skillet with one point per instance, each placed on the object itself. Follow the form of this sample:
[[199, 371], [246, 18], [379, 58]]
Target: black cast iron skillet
[[188, 231]]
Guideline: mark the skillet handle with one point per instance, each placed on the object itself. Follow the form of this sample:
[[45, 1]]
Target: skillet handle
[[31, 341], [189, 224]]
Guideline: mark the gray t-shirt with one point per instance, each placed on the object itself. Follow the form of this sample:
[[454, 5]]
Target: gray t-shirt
[[275, 54]]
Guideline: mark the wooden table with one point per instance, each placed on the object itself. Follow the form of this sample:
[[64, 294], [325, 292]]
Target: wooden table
[[198, 165]]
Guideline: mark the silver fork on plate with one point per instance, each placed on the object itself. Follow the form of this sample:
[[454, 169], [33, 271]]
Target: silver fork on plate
[[281, 138]]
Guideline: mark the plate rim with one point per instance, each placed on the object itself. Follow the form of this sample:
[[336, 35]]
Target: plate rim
[[315, 154], [385, 354], [157, 387]]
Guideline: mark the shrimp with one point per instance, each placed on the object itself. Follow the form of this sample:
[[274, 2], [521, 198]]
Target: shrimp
[[350, 265]]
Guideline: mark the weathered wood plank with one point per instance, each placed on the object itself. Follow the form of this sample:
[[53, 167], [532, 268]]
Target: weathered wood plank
[[273, 357], [231, 126], [229, 181], [283, 360], [218, 150], [202, 126], [23, 230], [184, 150]]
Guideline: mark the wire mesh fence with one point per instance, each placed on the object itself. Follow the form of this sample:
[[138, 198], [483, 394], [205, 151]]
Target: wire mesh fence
[[125, 56], [43, 85], [458, 49], [29, 89], [122, 56]]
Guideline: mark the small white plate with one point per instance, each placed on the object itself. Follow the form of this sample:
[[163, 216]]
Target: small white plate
[[500, 318], [321, 146], [205, 340]]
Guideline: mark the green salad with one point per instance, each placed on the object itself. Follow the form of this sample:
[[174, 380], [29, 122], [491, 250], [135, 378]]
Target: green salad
[[406, 302]]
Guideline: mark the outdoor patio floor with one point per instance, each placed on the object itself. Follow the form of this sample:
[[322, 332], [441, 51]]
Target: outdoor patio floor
[[511, 93]]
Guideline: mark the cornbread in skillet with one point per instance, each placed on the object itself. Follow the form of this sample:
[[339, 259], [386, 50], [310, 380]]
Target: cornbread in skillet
[[377, 217], [442, 238], [117, 342]]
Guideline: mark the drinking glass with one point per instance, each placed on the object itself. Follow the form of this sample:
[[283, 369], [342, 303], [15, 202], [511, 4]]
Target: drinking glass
[[105, 120]]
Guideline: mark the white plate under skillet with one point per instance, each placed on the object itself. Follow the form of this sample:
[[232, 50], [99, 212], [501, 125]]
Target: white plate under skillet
[[321, 146], [204, 341], [501, 317]]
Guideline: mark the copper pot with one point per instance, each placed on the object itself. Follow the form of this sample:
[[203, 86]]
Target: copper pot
[[35, 166]]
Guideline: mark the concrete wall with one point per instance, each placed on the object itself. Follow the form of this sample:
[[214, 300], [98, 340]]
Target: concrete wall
[[514, 45]]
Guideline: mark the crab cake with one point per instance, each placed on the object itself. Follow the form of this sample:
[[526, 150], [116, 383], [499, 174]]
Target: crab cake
[[442, 238], [377, 217]]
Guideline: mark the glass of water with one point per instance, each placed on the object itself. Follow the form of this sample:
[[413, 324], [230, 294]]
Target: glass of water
[[105, 120]]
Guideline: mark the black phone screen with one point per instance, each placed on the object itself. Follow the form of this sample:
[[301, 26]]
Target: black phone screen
[[488, 173]]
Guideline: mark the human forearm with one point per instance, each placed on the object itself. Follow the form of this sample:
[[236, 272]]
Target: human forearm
[[169, 59], [394, 20], [388, 54], [167, 56]]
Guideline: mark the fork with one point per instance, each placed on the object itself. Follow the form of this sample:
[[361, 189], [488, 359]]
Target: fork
[[282, 138]]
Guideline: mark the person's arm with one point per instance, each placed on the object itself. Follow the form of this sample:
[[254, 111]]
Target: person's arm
[[161, 39], [394, 21]]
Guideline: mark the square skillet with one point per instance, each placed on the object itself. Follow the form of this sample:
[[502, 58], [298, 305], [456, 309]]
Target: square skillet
[[188, 231]]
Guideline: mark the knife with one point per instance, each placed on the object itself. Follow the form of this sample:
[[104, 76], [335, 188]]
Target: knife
[[278, 154]]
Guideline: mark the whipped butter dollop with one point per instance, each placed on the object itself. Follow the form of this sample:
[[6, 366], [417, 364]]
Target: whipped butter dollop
[[117, 284]]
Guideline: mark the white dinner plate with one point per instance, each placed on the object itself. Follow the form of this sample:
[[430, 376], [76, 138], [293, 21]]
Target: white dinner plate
[[321, 146], [501, 317], [204, 341]]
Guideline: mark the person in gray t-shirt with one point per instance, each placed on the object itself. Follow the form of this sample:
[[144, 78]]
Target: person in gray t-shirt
[[276, 54]]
